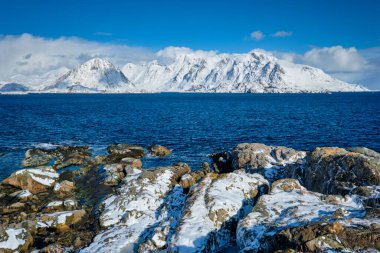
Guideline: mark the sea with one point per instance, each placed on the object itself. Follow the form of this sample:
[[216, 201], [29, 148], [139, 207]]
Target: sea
[[193, 125]]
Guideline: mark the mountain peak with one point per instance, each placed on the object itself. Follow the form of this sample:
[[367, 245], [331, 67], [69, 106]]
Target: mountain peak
[[94, 75]]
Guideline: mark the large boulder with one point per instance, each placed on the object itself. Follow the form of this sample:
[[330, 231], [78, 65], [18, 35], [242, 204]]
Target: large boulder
[[137, 207], [159, 150], [339, 171], [213, 209], [270, 161], [35, 180], [291, 217]]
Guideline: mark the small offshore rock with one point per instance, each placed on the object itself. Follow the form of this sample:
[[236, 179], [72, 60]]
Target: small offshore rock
[[60, 156], [120, 151], [159, 150]]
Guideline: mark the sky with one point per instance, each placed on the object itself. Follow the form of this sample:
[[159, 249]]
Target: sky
[[341, 37]]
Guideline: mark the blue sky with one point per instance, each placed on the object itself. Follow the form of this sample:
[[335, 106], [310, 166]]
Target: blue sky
[[209, 25], [340, 37]]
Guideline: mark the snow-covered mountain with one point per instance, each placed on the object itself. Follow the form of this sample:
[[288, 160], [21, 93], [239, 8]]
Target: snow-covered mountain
[[192, 71], [95, 75], [252, 72]]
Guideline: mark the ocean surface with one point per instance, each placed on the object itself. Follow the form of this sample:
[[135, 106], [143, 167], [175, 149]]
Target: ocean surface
[[193, 125]]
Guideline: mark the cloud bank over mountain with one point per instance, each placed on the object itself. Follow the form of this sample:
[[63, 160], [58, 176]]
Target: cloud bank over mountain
[[27, 58]]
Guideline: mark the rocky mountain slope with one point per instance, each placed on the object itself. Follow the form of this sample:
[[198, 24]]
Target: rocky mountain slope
[[256, 198], [253, 72], [95, 75], [13, 87]]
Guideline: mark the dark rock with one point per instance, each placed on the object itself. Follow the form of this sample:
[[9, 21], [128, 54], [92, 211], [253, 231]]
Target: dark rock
[[221, 162], [119, 151]]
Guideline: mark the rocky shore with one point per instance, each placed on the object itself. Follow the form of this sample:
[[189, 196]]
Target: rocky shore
[[253, 198]]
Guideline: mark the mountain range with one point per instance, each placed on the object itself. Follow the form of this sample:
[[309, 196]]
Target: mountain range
[[253, 72]]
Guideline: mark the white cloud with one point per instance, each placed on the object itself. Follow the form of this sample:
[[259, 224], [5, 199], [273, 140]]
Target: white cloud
[[28, 55], [347, 64], [174, 52], [103, 34], [29, 59], [257, 35], [335, 59], [282, 34]]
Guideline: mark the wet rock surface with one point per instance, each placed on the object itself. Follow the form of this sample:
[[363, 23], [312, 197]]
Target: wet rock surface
[[254, 198], [59, 157]]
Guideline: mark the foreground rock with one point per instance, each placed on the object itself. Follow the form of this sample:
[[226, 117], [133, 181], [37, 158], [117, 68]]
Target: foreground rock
[[270, 161], [15, 240], [213, 209], [159, 150], [338, 171], [60, 221], [111, 204], [136, 208], [291, 217], [35, 180]]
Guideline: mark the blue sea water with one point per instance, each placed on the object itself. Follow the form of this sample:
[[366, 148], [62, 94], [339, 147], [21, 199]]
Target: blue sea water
[[193, 125]]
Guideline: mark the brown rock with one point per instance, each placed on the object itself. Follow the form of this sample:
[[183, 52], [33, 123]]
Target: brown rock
[[36, 180], [338, 171], [133, 162], [64, 188], [159, 150]]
